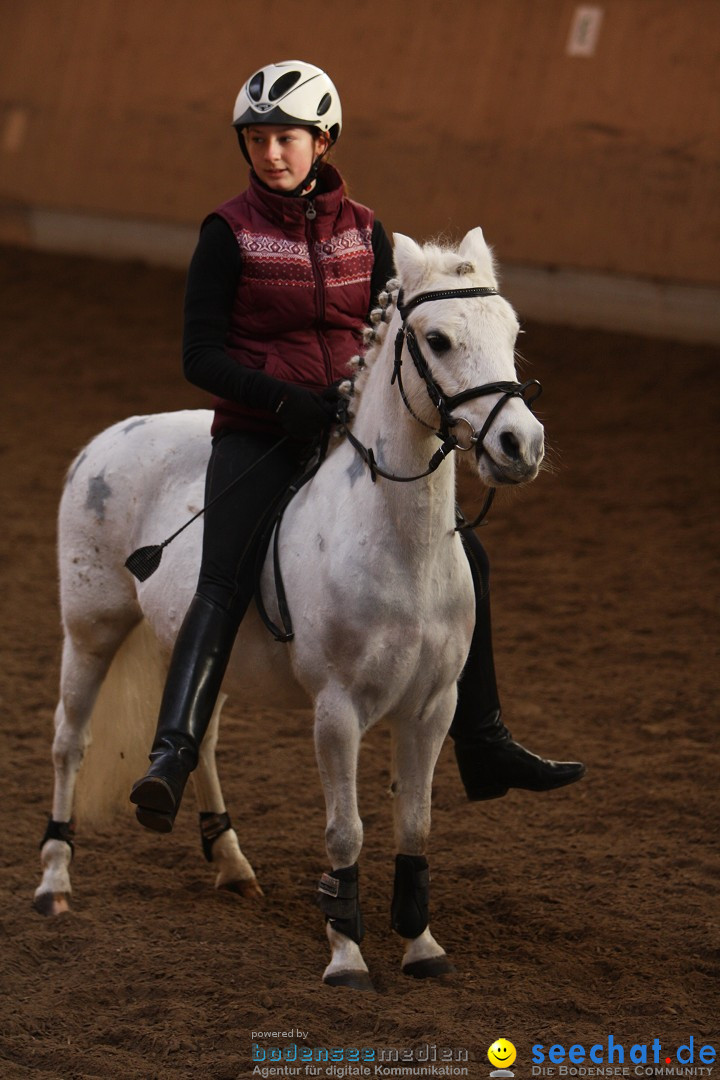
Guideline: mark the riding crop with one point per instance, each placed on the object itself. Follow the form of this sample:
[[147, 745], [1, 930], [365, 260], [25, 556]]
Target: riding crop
[[144, 561]]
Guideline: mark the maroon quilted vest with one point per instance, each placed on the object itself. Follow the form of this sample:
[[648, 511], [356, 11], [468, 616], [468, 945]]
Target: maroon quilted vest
[[304, 291]]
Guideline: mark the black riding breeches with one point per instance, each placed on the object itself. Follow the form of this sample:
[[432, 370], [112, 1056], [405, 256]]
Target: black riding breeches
[[234, 527], [478, 693]]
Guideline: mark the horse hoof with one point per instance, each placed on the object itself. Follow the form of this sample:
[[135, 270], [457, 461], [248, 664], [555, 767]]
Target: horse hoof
[[434, 967], [249, 888], [353, 980], [48, 903]]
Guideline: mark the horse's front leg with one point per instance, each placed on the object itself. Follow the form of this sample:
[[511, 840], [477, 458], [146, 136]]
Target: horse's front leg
[[219, 840], [337, 743], [416, 747]]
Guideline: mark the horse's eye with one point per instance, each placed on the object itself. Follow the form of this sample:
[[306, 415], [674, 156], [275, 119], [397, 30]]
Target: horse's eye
[[438, 342]]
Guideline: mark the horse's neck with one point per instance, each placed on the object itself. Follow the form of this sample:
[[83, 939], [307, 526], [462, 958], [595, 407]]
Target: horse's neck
[[404, 447]]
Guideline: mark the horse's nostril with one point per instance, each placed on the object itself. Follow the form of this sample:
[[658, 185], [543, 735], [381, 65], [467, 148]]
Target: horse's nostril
[[510, 445]]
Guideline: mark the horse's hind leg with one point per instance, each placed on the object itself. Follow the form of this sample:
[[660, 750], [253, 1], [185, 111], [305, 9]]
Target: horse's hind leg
[[337, 743], [86, 658], [219, 839], [416, 747]]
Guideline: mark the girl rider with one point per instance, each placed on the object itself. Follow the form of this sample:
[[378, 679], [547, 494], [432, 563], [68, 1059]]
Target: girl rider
[[278, 290]]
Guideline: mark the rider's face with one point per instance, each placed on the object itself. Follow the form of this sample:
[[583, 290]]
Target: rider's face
[[282, 156]]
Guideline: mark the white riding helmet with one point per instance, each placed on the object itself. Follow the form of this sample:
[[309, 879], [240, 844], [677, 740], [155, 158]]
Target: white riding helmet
[[290, 92]]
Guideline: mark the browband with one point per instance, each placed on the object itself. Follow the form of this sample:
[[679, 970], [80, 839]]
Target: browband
[[440, 294]]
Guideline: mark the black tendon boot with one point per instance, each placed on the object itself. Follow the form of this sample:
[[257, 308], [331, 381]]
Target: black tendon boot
[[489, 759], [197, 668]]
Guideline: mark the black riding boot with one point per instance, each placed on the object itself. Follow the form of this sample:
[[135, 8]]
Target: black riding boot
[[489, 759], [197, 669]]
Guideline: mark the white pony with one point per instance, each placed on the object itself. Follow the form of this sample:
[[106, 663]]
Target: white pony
[[377, 583]]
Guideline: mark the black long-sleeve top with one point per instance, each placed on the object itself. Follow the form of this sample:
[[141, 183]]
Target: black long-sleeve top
[[213, 276]]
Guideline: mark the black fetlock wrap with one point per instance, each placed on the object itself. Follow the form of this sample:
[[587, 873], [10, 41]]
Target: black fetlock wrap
[[338, 899], [410, 911], [60, 830], [212, 825]]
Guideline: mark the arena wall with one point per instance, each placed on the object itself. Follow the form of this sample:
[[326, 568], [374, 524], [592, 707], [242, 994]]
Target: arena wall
[[584, 138]]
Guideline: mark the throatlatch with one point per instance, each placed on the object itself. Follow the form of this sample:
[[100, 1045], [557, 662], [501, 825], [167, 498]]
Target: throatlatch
[[410, 911], [338, 899]]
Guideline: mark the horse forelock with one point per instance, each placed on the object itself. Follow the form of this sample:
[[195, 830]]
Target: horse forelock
[[472, 259]]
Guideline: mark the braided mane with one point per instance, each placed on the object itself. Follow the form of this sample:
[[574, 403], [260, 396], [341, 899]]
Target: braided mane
[[373, 336]]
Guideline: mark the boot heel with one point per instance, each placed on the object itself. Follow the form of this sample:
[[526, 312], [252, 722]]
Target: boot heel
[[485, 791], [154, 793], [156, 803], [155, 820]]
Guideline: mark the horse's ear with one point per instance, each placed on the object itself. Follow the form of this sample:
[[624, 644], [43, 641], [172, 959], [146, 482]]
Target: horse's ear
[[409, 261], [474, 248], [472, 243]]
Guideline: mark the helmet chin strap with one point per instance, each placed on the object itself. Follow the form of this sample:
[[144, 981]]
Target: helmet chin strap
[[310, 178]]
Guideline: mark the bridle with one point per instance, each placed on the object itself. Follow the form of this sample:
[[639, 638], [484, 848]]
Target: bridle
[[444, 404]]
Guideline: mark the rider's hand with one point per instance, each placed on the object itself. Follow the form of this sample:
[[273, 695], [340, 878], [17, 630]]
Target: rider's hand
[[333, 395], [305, 414]]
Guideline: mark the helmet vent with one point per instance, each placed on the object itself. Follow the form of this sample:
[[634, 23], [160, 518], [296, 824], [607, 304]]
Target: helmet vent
[[325, 103], [255, 86], [283, 84]]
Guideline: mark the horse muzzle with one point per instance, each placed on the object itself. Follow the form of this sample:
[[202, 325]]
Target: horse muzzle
[[511, 457]]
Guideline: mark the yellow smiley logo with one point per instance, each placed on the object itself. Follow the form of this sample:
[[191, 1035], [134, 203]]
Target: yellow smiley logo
[[502, 1053]]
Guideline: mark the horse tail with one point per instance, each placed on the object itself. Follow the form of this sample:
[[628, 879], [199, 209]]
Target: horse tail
[[121, 729]]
